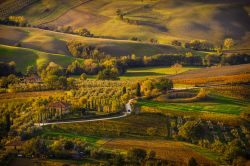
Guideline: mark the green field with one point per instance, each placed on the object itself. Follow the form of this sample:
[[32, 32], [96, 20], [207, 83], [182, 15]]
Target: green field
[[152, 72], [216, 104], [25, 57], [89, 139]]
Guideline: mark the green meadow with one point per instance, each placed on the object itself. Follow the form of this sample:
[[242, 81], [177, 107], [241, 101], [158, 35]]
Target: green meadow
[[215, 104]]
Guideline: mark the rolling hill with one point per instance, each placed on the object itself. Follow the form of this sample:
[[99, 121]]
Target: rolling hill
[[164, 20], [55, 42], [25, 57]]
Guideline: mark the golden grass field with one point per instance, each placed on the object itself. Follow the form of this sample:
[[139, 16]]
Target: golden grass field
[[169, 150], [25, 95]]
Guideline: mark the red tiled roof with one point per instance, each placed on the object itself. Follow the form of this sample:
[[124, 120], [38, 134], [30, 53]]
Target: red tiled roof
[[14, 143], [58, 104]]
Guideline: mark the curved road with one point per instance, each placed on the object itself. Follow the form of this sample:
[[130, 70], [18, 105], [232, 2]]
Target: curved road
[[87, 120], [81, 121]]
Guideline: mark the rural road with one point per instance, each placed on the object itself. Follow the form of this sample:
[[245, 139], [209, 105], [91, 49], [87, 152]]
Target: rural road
[[81, 121], [89, 120]]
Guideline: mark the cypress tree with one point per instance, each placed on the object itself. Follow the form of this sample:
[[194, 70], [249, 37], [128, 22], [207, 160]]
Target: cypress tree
[[138, 90], [8, 122]]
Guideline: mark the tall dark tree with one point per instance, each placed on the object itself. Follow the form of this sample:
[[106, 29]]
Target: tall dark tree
[[8, 122], [138, 90], [124, 90], [192, 162]]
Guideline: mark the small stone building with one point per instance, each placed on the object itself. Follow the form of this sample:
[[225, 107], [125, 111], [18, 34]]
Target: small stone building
[[17, 144], [58, 108], [32, 79]]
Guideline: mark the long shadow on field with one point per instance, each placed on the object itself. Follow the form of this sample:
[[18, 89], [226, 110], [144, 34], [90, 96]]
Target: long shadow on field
[[143, 74], [226, 100]]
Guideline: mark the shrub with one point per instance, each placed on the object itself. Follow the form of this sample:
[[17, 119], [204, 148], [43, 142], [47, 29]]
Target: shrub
[[228, 43], [136, 155], [192, 162], [108, 74], [176, 43]]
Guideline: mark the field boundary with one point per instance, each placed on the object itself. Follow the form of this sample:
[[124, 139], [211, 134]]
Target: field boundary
[[73, 7]]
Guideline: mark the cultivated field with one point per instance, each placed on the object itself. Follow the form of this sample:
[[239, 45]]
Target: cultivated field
[[26, 95], [213, 72], [131, 126], [169, 150]]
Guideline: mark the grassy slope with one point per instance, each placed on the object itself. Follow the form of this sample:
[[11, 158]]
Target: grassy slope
[[161, 19], [25, 57], [54, 42]]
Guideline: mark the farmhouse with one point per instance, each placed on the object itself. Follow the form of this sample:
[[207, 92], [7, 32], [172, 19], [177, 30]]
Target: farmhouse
[[59, 106], [32, 79], [210, 125], [14, 145]]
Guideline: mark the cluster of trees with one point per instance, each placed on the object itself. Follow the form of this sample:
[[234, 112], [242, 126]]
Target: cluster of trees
[[187, 60], [199, 132], [203, 45], [5, 82], [15, 21], [54, 76], [230, 59], [17, 121], [107, 69], [5, 124], [162, 60], [108, 74], [7, 68], [200, 45], [67, 29], [80, 50], [154, 87], [79, 31]]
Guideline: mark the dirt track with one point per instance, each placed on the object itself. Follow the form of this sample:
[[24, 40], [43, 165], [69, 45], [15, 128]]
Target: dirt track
[[73, 7]]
